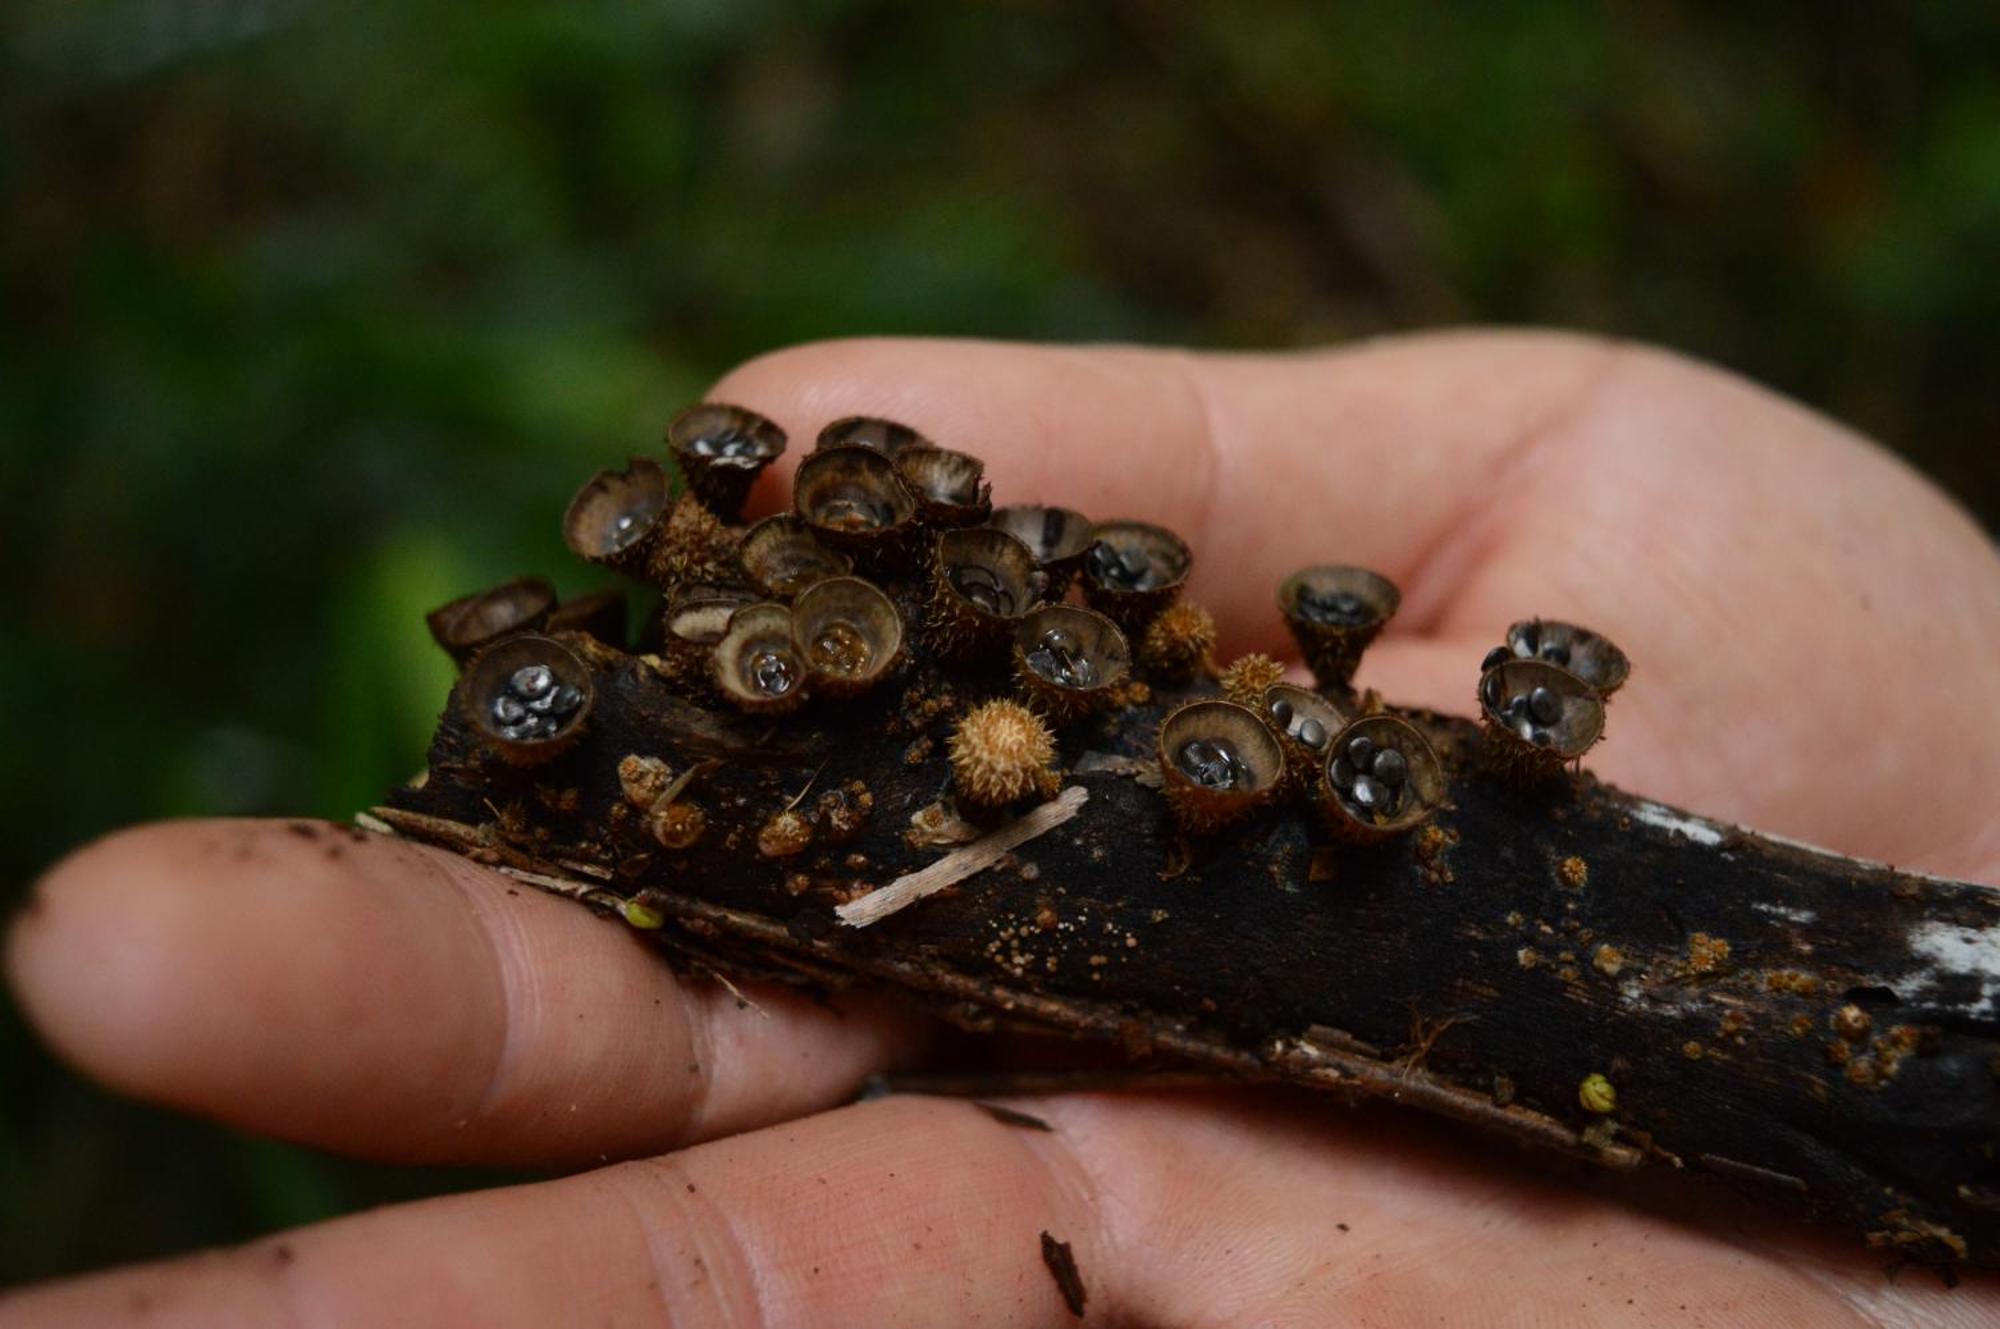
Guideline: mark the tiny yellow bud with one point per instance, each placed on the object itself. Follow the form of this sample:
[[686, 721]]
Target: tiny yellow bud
[[1597, 1094], [643, 916]]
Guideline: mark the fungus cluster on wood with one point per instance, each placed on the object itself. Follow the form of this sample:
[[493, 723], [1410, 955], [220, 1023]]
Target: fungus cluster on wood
[[988, 756]]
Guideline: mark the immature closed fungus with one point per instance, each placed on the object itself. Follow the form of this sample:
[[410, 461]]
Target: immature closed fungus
[[1059, 538], [1538, 717], [1247, 678], [1380, 778], [694, 546], [756, 665], [721, 449], [1001, 753], [1591, 656], [1179, 643], [473, 622], [1134, 570], [1305, 722], [1218, 764], [1334, 612], [982, 581], [853, 499], [848, 633], [950, 487], [869, 431], [1070, 661], [617, 517], [781, 557], [602, 614], [527, 697]]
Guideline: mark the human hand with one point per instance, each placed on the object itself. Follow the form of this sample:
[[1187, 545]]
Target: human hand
[[1787, 593]]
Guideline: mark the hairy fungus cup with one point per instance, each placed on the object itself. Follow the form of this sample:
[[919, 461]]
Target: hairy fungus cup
[[950, 487], [1589, 655], [1057, 537], [1379, 777], [756, 665], [781, 557], [721, 449], [618, 516], [1305, 723], [1069, 661], [471, 623], [1134, 570], [982, 581], [1538, 717], [1334, 611], [1218, 764], [867, 431], [848, 634], [527, 697], [853, 500]]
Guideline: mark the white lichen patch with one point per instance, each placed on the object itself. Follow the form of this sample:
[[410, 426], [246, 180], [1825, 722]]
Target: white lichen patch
[[1958, 953], [1664, 818]]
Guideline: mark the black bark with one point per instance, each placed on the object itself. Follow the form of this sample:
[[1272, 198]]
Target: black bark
[[1818, 1031]]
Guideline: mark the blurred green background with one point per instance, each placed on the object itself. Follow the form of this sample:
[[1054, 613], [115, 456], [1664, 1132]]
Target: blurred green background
[[316, 314]]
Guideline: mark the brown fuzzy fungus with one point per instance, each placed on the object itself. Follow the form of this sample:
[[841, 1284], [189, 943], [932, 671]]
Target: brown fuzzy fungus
[[693, 547], [1133, 571], [1003, 753], [1706, 955], [1179, 643], [1247, 678]]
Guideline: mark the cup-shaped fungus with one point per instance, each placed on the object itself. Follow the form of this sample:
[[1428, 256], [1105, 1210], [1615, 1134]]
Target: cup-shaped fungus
[[1305, 722], [689, 631], [721, 449], [1591, 656], [848, 634], [527, 698], [781, 557], [852, 499], [1538, 716], [756, 665], [1218, 763], [1334, 611], [872, 432], [618, 516], [1058, 538], [600, 614], [1379, 777], [982, 581], [1134, 570], [950, 487], [471, 623], [1069, 661]]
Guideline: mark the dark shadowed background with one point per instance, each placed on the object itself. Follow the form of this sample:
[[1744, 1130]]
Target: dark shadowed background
[[315, 314]]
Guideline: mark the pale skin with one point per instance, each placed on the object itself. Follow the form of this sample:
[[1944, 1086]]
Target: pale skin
[[1789, 595]]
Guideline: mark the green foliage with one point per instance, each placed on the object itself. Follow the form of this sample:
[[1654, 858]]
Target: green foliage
[[316, 314]]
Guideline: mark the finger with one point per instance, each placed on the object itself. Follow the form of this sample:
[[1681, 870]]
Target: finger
[[387, 999], [1200, 1212], [1737, 545], [1263, 462]]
